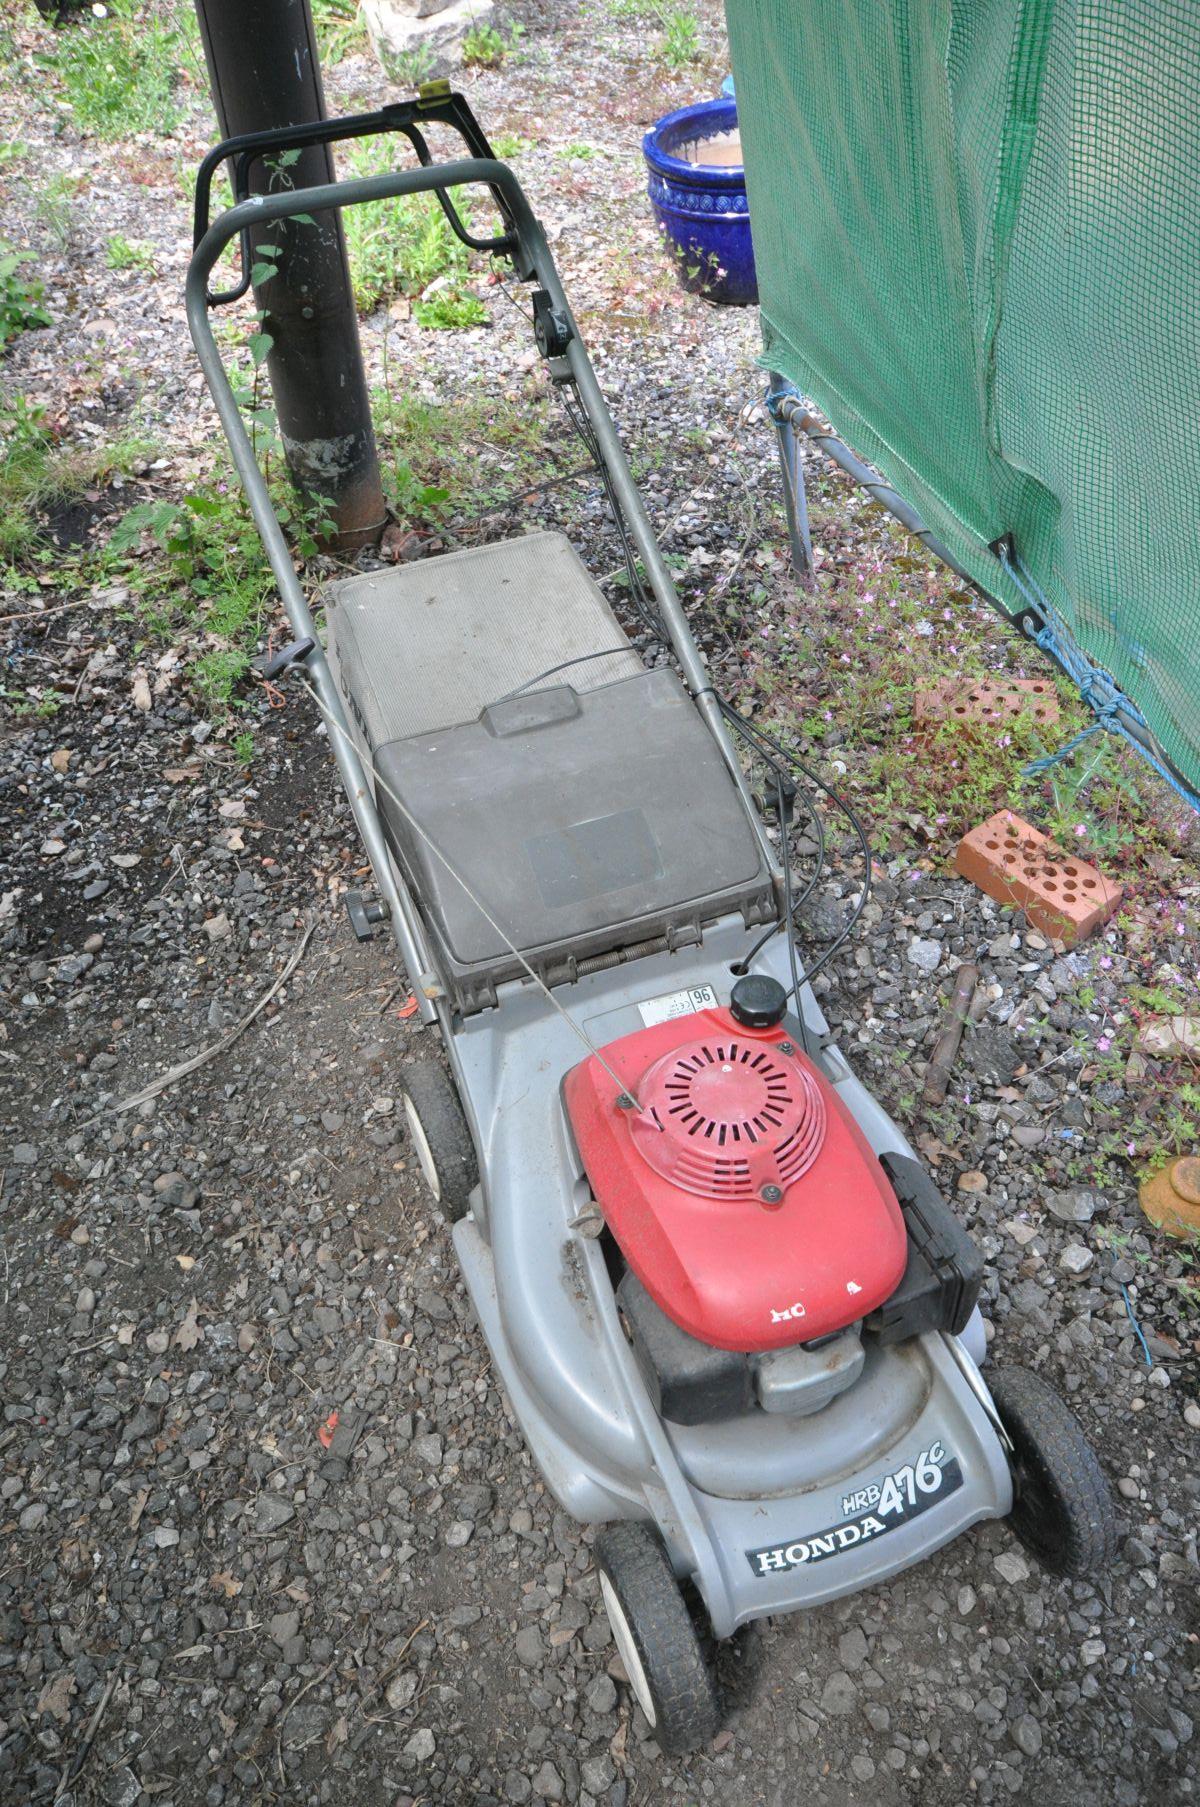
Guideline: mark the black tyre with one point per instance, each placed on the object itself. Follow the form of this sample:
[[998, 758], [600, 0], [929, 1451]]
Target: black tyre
[[1062, 1508], [657, 1641], [440, 1138]]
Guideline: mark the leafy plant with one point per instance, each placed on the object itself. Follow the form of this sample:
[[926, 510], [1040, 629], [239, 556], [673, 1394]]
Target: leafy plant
[[120, 68], [20, 296], [412, 500], [484, 47], [412, 67], [222, 580], [122, 253], [402, 246], [450, 309], [340, 29], [509, 144], [680, 42]]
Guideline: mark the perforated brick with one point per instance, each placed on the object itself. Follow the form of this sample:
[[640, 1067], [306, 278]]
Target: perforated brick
[[1063, 897], [989, 701]]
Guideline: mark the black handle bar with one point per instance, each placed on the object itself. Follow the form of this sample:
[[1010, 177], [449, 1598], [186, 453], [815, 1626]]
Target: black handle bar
[[436, 103]]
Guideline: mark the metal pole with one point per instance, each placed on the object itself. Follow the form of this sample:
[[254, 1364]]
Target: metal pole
[[789, 410], [795, 499], [264, 72]]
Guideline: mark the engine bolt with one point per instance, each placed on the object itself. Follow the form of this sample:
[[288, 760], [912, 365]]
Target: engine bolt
[[771, 1195], [786, 1048]]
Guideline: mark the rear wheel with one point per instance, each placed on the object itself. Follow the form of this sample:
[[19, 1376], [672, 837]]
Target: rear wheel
[[1062, 1508], [656, 1639], [441, 1140]]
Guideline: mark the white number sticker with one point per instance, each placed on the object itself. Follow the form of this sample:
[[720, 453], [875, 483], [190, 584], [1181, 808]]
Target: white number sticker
[[677, 1003]]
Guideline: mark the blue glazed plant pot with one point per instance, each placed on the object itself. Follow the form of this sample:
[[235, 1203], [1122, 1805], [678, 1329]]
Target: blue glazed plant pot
[[698, 193]]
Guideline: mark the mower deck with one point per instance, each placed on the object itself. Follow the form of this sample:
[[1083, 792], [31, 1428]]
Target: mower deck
[[589, 805], [721, 1493]]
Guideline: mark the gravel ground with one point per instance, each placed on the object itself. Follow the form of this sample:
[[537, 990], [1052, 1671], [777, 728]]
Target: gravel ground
[[212, 1591]]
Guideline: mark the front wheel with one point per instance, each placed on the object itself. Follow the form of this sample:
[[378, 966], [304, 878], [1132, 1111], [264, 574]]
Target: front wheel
[[441, 1140], [656, 1639], [1062, 1508]]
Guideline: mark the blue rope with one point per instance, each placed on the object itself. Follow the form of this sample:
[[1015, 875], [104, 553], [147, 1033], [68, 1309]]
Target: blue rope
[[1103, 696], [1133, 1320], [773, 397]]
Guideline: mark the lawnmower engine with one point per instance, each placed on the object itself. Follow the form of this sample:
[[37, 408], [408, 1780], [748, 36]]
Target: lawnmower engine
[[756, 1228]]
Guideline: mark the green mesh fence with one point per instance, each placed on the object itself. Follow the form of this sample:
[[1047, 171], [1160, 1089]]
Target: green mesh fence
[[977, 231]]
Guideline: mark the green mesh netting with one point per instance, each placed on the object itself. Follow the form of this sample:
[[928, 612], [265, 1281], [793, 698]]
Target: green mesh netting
[[977, 231]]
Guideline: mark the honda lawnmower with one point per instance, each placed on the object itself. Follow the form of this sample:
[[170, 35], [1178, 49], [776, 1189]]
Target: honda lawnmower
[[735, 1319]]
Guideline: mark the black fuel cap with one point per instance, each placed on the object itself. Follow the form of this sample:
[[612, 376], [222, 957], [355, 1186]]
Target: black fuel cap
[[757, 1001]]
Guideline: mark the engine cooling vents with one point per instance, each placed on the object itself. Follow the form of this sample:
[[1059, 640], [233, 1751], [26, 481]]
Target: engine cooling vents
[[729, 1119]]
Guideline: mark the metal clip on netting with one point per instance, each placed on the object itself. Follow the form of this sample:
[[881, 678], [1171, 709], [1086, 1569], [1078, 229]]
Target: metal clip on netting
[[1113, 710]]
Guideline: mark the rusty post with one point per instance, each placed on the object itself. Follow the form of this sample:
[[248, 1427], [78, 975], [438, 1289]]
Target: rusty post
[[937, 1073]]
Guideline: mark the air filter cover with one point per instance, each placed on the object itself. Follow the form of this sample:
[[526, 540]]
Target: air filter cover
[[726, 1116], [739, 1188]]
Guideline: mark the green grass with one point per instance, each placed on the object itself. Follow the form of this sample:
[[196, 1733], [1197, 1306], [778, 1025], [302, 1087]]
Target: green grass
[[679, 44], [445, 458], [509, 144], [340, 30], [122, 74], [450, 309], [56, 207], [411, 67], [21, 294], [402, 246], [219, 582], [122, 253], [36, 472]]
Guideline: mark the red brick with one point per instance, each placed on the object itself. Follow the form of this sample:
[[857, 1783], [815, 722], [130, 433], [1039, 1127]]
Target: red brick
[[1062, 896], [988, 701]]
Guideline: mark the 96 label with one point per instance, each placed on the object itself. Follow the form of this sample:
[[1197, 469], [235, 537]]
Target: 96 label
[[871, 1511]]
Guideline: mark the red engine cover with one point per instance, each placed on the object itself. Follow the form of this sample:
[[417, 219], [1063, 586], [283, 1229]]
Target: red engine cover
[[742, 1193]]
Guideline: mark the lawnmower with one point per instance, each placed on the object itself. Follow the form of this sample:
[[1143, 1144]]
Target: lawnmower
[[735, 1319]]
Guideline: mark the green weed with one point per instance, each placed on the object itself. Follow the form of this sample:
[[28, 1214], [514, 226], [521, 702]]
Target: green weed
[[401, 246], [449, 309], [340, 30], [680, 41], [412, 67], [473, 452], [484, 47], [121, 73], [56, 207], [122, 253], [20, 296], [36, 471], [219, 581]]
